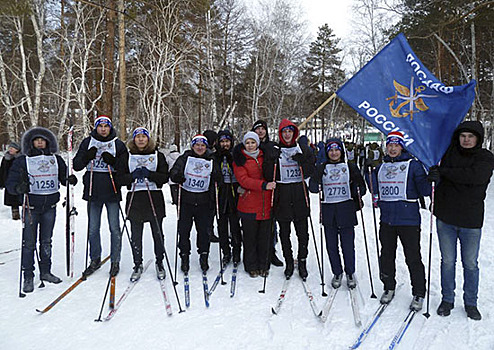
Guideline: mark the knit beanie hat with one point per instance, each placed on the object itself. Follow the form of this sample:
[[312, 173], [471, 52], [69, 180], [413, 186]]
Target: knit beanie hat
[[199, 138], [395, 137], [103, 119], [251, 135], [140, 130]]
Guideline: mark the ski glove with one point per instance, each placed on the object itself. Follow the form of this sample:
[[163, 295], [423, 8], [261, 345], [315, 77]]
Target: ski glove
[[434, 174], [140, 173], [108, 158], [91, 154], [22, 187], [72, 180], [298, 157]]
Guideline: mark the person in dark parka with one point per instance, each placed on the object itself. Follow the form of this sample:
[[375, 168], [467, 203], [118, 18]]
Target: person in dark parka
[[197, 173], [37, 175], [338, 181], [9, 200], [463, 177], [294, 163], [103, 156], [147, 171]]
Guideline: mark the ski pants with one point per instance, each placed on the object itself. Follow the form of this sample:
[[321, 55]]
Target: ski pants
[[302, 231], [44, 218], [229, 237], [410, 240], [202, 216], [346, 238], [257, 242], [136, 238]]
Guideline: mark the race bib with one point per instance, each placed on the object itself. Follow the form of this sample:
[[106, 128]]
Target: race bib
[[376, 154], [228, 175], [289, 169], [197, 174], [99, 164], [336, 183], [149, 161], [43, 174], [392, 179], [350, 154]]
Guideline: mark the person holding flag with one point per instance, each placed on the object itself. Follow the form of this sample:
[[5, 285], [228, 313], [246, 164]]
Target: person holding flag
[[462, 178], [400, 181]]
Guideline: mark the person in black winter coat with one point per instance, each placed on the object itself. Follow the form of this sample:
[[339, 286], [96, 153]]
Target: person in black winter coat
[[104, 156], [196, 172], [463, 176], [147, 171], [9, 200], [37, 175], [291, 202], [260, 127], [228, 219], [339, 184]]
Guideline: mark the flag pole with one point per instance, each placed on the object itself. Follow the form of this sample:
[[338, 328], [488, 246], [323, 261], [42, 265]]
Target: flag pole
[[304, 123]]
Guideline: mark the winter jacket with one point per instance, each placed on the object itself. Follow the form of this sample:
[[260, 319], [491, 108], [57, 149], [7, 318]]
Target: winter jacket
[[101, 182], [171, 158], [207, 198], [404, 213], [465, 175], [141, 209], [227, 192], [290, 198], [7, 161], [18, 171], [342, 214], [255, 202]]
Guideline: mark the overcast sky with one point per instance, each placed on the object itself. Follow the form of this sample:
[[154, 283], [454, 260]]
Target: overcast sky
[[334, 12]]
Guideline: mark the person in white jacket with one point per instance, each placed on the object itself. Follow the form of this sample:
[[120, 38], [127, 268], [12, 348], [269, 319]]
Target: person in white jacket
[[171, 157]]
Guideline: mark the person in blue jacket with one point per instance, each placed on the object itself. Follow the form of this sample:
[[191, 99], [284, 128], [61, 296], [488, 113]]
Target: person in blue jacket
[[340, 182], [104, 157], [399, 182], [36, 175]]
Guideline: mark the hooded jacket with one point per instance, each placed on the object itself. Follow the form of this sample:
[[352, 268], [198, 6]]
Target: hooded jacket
[[465, 175], [141, 209], [289, 198], [101, 183], [227, 192], [18, 171]]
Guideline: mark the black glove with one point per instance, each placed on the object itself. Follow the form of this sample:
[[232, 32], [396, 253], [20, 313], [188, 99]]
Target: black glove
[[275, 154], [298, 157], [72, 179], [91, 154], [22, 187], [179, 179], [108, 158], [434, 174], [137, 174]]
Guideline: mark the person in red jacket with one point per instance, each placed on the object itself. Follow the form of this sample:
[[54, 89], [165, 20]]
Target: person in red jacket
[[254, 204]]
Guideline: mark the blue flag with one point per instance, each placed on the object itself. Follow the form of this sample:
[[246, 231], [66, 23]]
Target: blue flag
[[395, 92]]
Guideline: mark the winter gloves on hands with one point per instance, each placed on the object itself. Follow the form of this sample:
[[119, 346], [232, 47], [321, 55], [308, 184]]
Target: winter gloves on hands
[[108, 158], [91, 154], [72, 180], [140, 173], [298, 157], [434, 174]]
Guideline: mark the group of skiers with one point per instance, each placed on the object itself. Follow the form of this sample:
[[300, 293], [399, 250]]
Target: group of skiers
[[257, 189]]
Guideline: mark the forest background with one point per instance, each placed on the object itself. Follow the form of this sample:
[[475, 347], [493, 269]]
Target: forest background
[[179, 67]]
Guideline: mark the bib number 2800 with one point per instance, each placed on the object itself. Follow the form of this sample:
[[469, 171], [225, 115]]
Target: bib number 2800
[[390, 190]]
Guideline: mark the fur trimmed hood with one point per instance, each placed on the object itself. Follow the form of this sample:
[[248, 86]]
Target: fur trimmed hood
[[38, 131], [150, 148]]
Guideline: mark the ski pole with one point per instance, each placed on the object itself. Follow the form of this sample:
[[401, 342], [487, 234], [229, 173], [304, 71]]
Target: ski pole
[[371, 187], [104, 299], [89, 210], [427, 314], [324, 294], [270, 240], [176, 238], [160, 232], [365, 242], [119, 206], [23, 242], [218, 225], [312, 229]]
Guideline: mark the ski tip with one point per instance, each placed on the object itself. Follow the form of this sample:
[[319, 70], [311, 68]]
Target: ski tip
[[319, 314], [40, 311], [273, 311]]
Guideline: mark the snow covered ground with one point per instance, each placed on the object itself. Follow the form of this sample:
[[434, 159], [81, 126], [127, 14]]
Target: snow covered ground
[[242, 322]]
